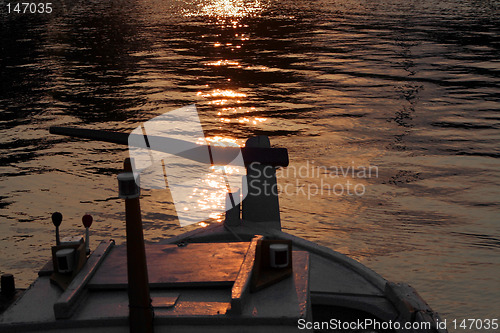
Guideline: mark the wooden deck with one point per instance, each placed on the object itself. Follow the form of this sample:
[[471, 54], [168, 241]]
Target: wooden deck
[[196, 264], [194, 288]]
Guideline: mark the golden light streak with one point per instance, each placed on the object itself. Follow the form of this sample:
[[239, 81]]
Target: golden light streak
[[228, 9], [223, 62], [228, 93]]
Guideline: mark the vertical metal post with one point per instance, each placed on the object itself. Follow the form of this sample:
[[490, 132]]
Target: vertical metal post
[[140, 309], [261, 203], [233, 207]]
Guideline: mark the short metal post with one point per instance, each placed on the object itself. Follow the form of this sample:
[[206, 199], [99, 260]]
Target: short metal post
[[8, 286]]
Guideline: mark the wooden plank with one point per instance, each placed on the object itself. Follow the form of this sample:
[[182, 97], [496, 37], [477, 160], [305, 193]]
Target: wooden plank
[[68, 301], [47, 269], [196, 264], [331, 276], [263, 274], [241, 286], [164, 301], [34, 305], [287, 300]]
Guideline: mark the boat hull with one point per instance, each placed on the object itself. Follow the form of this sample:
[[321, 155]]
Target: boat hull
[[338, 289]]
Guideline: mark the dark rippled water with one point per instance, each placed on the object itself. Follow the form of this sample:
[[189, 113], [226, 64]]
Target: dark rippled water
[[408, 87]]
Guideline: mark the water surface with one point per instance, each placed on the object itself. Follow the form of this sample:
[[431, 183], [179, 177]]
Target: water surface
[[409, 87]]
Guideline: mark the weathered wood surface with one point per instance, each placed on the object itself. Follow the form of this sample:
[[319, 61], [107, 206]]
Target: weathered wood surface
[[165, 301], [47, 269], [263, 274], [196, 264], [287, 299], [67, 303], [241, 286]]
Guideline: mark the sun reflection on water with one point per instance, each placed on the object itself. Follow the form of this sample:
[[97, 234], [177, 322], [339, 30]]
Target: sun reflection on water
[[228, 93], [230, 103], [211, 191], [224, 9], [223, 62]]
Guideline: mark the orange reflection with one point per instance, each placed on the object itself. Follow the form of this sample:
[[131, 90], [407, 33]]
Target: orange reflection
[[211, 193], [223, 63], [225, 9], [224, 141], [227, 115], [229, 93]]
